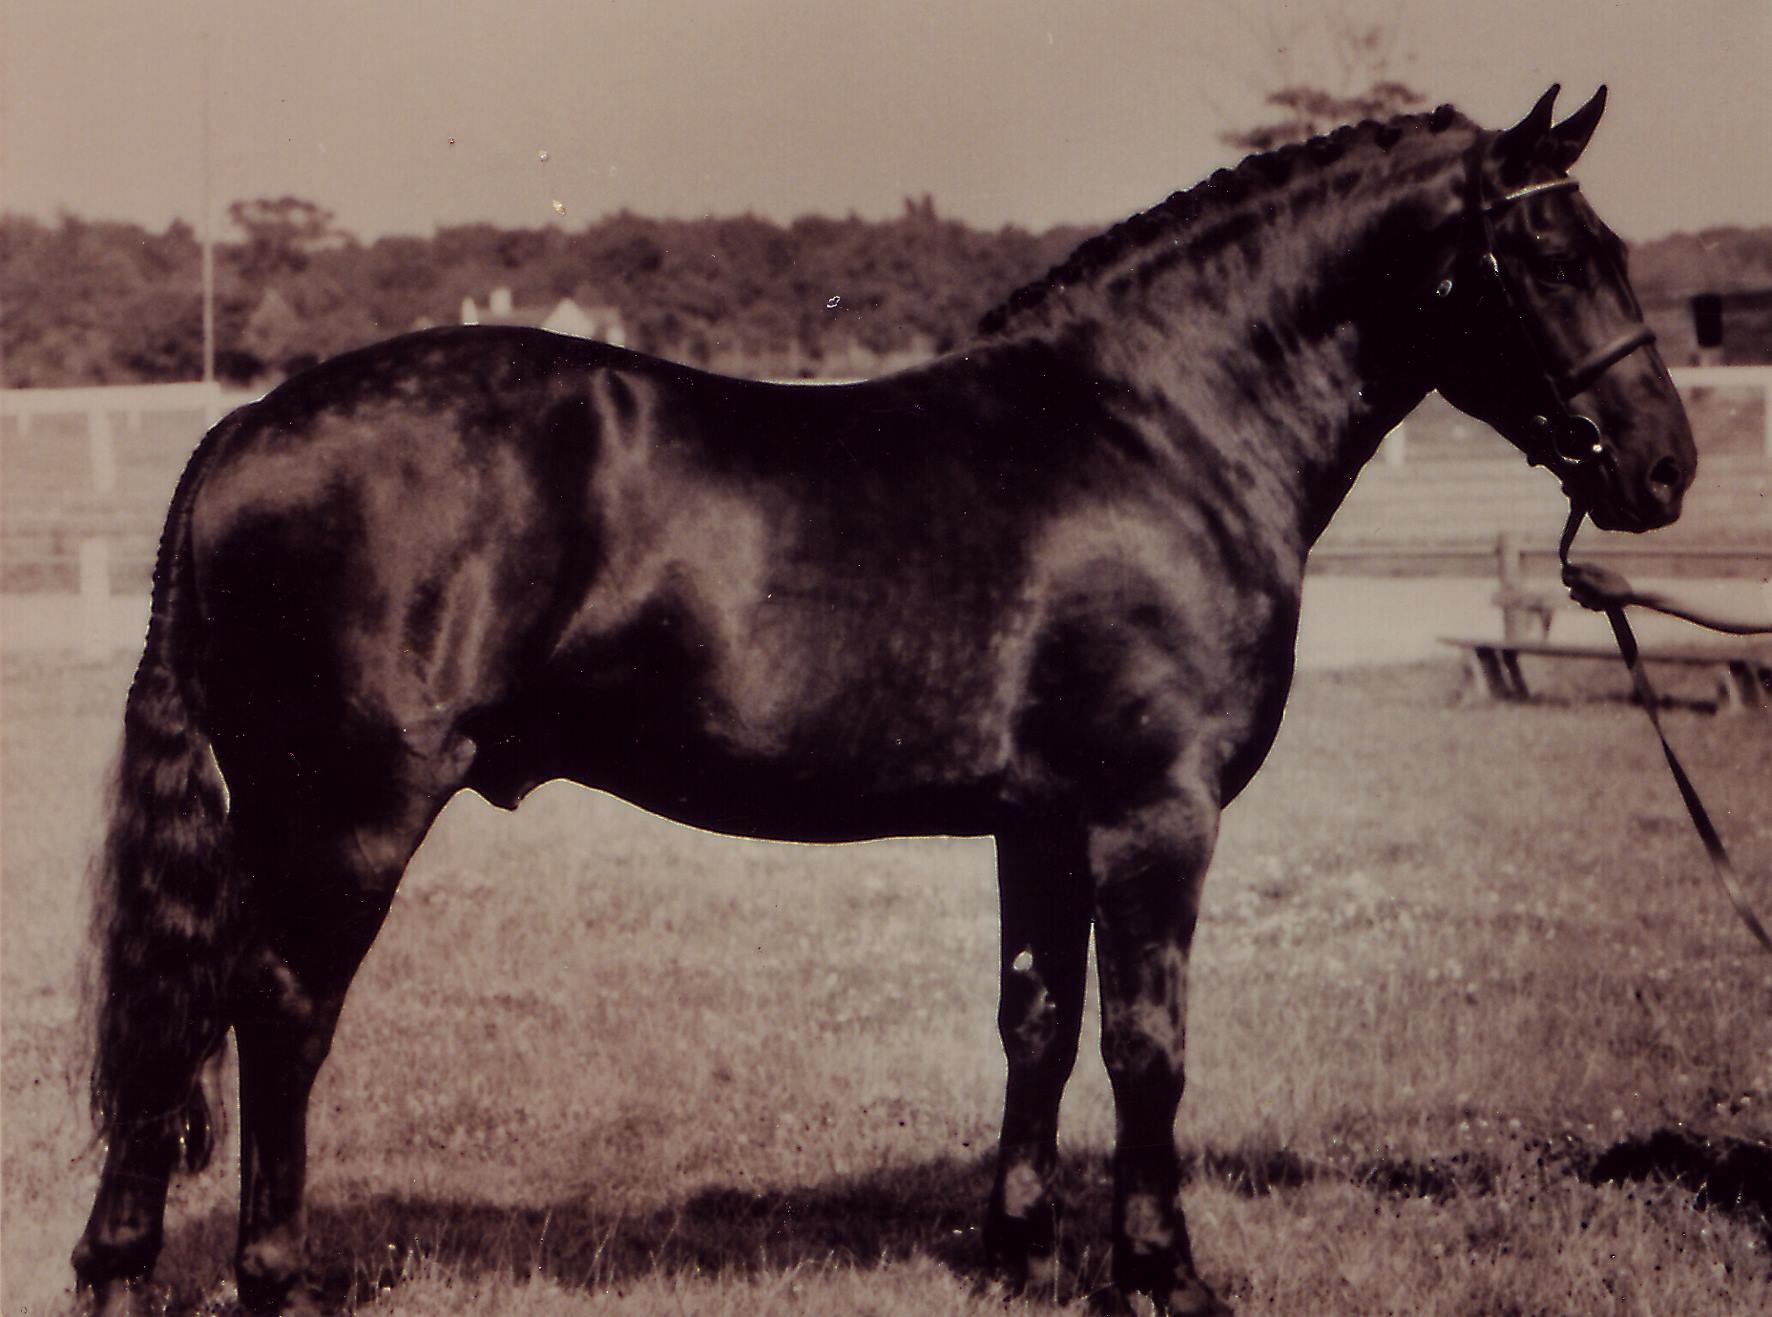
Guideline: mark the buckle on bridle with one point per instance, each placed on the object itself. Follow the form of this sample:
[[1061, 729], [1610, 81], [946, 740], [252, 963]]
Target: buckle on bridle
[[1573, 439]]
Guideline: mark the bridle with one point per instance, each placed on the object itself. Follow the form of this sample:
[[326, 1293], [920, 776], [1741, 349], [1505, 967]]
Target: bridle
[[1572, 439], [1569, 438]]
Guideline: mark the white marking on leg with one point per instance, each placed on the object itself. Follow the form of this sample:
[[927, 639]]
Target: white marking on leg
[[1147, 1225], [1022, 1190], [220, 778]]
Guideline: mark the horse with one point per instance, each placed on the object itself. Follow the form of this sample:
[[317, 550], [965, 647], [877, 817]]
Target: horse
[[1044, 588]]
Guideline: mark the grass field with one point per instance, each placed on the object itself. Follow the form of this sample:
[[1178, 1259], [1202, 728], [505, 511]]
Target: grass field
[[1471, 1033]]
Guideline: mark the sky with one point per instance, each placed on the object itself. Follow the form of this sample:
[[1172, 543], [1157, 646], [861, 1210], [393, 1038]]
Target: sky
[[401, 116]]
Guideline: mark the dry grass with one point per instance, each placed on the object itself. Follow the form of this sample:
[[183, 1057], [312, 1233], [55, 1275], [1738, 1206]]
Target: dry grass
[[1471, 1033]]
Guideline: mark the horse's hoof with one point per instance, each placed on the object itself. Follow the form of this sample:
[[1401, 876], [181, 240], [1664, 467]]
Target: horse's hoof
[[1109, 1300], [305, 1303], [121, 1298], [1035, 1274], [1188, 1299], [1192, 1298], [1042, 1273], [298, 1300]]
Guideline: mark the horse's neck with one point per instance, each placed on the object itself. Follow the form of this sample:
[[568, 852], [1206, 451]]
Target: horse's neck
[[1281, 345]]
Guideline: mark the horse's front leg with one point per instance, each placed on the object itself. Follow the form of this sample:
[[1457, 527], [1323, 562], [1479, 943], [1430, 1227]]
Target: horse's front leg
[[1043, 882], [1148, 867]]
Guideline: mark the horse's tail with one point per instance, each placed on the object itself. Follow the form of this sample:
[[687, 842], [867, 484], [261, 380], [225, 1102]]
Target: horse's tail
[[167, 918]]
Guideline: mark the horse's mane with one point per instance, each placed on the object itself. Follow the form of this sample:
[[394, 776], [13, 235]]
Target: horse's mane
[[1262, 170]]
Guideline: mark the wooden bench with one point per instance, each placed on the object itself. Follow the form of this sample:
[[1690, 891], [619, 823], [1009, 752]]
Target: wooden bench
[[1744, 674], [1527, 614]]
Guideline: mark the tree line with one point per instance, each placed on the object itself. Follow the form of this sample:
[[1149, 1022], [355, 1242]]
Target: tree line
[[99, 302]]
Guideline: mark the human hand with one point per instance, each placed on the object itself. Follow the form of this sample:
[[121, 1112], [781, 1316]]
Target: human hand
[[1596, 587]]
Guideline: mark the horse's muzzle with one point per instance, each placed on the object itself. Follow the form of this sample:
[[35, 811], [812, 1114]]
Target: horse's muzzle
[[1638, 497]]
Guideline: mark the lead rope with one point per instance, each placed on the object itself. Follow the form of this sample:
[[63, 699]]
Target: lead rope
[[1707, 832]]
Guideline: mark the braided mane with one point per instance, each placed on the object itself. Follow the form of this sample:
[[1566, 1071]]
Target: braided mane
[[1225, 188]]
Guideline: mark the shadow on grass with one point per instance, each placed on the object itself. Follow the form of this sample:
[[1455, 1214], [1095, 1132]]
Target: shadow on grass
[[1732, 1176], [896, 1213], [1259, 1171], [931, 1209]]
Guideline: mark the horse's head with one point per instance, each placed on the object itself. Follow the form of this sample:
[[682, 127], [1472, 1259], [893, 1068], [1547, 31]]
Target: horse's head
[[1537, 332]]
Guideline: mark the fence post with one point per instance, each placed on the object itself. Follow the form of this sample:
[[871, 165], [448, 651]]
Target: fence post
[[1507, 563]]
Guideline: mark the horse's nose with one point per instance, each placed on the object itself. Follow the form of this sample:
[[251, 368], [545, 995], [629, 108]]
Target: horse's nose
[[1665, 484]]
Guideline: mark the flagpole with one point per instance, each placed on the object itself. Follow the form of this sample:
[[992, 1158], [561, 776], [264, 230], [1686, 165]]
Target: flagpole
[[208, 221]]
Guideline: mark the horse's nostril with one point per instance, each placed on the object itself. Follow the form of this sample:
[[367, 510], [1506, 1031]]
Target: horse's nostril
[[1666, 479]]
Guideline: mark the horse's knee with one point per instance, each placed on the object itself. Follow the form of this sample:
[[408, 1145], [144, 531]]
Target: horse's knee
[[1036, 1030], [1149, 869], [1144, 1017]]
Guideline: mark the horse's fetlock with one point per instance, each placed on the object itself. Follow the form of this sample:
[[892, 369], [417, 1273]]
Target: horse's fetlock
[[1024, 1189], [1149, 1225], [1021, 1250], [124, 1254], [268, 1272]]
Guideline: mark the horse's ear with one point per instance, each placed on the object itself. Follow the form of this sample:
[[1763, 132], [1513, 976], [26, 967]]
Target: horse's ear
[[1569, 138], [1518, 146]]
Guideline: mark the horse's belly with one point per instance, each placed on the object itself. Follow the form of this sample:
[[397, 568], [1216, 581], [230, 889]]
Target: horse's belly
[[766, 753], [701, 778], [775, 802]]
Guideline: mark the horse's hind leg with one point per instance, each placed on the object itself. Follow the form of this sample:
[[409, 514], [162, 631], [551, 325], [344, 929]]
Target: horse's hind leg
[[122, 1239], [325, 873], [1043, 883]]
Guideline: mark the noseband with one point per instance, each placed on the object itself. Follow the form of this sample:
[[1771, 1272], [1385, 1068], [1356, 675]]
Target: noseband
[[1570, 438]]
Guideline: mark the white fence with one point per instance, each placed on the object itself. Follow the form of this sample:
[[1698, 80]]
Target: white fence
[[1394, 451], [115, 412], [103, 407], [108, 412], [1732, 377]]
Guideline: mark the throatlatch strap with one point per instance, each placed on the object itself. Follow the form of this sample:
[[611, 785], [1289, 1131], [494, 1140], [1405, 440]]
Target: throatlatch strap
[[1701, 822]]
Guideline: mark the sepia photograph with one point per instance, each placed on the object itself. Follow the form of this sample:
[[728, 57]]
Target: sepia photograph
[[799, 657]]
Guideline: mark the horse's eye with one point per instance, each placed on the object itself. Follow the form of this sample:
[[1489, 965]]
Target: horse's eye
[[1559, 269]]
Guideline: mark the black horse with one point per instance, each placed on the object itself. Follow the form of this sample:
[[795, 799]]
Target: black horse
[[1045, 588]]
